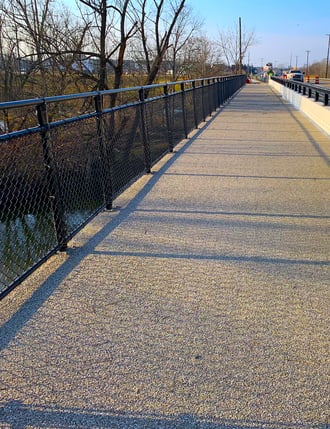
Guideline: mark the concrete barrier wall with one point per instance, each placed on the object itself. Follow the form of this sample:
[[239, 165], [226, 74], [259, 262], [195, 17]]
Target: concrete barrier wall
[[317, 112]]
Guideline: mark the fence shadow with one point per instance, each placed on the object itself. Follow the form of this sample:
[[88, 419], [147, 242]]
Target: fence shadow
[[17, 415], [9, 330], [290, 109]]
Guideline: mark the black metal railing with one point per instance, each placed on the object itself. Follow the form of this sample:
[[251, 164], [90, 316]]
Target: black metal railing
[[74, 155], [315, 92]]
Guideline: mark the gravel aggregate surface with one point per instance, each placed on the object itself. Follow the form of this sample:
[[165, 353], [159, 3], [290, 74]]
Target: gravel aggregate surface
[[200, 301]]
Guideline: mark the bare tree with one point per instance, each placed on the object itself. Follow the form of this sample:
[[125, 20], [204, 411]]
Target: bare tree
[[8, 61], [318, 68], [94, 42], [232, 47], [34, 32], [157, 20], [198, 58], [61, 51], [186, 27], [29, 20], [109, 28]]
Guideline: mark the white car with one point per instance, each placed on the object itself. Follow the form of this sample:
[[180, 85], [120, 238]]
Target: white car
[[295, 75]]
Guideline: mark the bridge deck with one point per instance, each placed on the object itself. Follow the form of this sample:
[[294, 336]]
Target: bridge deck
[[201, 302]]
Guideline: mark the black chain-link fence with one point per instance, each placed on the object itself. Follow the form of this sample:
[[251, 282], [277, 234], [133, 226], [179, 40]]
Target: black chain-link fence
[[58, 174]]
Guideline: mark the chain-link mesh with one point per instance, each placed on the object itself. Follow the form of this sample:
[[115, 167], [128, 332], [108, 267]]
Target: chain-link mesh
[[55, 177], [176, 118], [123, 144], [157, 129], [207, 101], [189, 111], [26, 218], [78, 172], [199, 112]]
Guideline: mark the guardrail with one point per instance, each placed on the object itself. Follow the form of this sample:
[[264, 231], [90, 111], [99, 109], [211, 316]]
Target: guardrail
[[58, 173], [316, 92]]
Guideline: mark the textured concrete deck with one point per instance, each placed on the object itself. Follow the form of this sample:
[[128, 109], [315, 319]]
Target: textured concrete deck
[[202, 301]]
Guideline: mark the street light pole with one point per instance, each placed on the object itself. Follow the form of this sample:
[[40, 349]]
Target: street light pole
[[326, 69]]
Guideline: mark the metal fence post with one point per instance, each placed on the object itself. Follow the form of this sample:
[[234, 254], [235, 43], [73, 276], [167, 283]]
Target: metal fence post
[[183, 106], [208, 112], [203, 101], [52, 178], [106, 166], [317, 96], [224, 90], [215, 94], [143, 125], [221, 92], [218, 98], [168, 119], [195, 104]]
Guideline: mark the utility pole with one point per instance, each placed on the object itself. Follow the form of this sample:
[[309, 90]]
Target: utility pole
[[307, 62], [326, 69], [240, 44]]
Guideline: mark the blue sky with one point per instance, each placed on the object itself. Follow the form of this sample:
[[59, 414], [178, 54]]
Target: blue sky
[[284, 29]]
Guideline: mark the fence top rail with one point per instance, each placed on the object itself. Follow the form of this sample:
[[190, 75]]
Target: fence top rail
[[316, 88], [53, 99]]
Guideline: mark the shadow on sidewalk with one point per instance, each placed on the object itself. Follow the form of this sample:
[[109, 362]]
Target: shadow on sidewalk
[[75, 255], [20, 416]]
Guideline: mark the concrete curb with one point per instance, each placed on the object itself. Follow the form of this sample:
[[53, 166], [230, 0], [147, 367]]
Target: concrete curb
[[315, 111]]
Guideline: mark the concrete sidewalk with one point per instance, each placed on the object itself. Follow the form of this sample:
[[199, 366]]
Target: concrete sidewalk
[[202, 301]]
